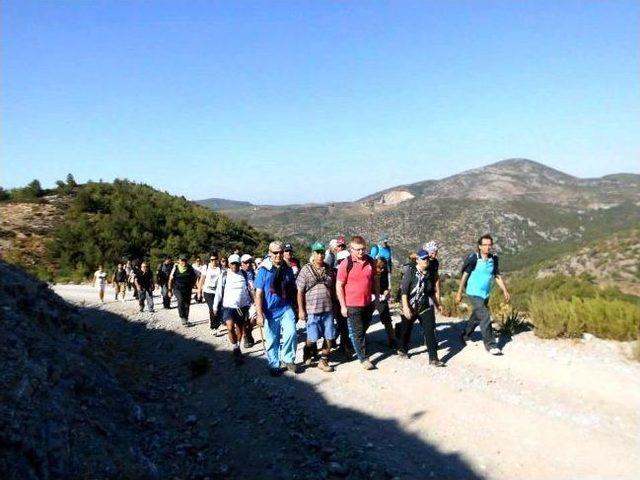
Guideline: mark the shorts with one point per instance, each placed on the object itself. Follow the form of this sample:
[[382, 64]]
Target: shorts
[[320, 325], [236, 315]]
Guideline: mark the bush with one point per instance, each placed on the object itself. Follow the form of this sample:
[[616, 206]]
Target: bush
[[611, 319]]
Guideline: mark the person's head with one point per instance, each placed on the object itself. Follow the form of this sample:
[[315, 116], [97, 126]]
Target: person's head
[[485, 243], [381, 265], [213, 259], [384, 240], [183, 258], [358, 247], [196, 261], [422, 260], [257, 262], [167, 259], [431, 247], [333, 243], [276, 252], [99, 267], [317, 254], [246, 261], [288, 251], [413, 257], [341, 243], [144, 266], [120, 266], [234, 262], [223, 262]]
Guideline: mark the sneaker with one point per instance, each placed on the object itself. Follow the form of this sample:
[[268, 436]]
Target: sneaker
[[464, 339], [291, 367], [323, 365], [185, 322], [495, 351], [403, 354], [214, 331], [248, 341], [141, 309], [152, 311], [436, 363], [367, 365], [275, 372]]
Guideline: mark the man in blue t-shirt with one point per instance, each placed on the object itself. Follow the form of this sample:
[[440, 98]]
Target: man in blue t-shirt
[[478, 272], [275, 293]]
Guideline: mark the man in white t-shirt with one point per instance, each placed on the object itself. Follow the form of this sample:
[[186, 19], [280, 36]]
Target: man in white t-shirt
[[207, 288], [234, 296], [100, 282]]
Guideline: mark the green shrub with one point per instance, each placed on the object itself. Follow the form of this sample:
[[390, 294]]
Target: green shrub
[[555, 317]]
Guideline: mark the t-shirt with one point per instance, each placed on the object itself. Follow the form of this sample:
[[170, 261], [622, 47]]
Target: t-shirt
[[236, 290], [480, 279], [145, 279], [100, 278], [317, 287], [274, 305], [358, 282], [210, 278]]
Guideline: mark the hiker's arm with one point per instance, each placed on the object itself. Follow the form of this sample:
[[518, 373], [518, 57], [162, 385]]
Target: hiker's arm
[[406, 309], [437, 291], [259, 312], [463, 282], [302, 314], [341, 300], [376, 289], [503, 287]]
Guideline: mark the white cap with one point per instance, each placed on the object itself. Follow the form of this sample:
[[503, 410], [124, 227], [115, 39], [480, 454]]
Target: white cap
[[246, 257], [235, 258], [342, 255]]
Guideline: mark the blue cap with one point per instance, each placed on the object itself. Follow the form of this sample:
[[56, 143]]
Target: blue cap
[[423, 254]]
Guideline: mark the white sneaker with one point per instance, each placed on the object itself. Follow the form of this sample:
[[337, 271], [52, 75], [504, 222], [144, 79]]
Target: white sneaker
[[495, 351]]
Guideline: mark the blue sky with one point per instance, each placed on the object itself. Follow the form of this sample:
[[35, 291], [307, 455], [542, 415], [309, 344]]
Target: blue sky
[[300, 101]]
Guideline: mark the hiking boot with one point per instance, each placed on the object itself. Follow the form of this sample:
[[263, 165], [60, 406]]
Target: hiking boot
[[464, 339], [141, 309], [152, 311], [275, 372], [402, 354], [248, 341], [307, 358], [436, 363], [185, 322], [291, 367], [323, 365], [237, 356], [367, 365], [495, 351]]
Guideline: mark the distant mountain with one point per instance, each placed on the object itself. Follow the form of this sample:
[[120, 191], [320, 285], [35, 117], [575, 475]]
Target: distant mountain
[[530, 209], [222, 204]]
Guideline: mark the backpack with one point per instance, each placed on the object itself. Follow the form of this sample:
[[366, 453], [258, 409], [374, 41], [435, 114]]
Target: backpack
[[471, 260], [410, 268]]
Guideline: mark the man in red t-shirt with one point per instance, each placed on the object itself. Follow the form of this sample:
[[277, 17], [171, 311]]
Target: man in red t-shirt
[[355, 287]]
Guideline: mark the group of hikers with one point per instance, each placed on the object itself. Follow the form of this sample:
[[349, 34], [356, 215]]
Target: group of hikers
[[335, 294]]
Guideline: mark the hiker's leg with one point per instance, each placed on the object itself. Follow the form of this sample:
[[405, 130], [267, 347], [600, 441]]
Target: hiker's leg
[[483, 313], [289, 336], [428, 322], [474, 320], [272, 341], [150, 300], [356, 331]]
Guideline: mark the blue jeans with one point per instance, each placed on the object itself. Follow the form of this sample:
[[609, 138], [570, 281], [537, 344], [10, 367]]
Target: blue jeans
[[285, 324], [358, 320]]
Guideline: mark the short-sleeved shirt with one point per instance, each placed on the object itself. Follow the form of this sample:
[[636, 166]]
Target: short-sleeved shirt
[[145, 279], [480, 279], [101, 277], [211, 275], [317, 288], [358, 282], [273, 304]]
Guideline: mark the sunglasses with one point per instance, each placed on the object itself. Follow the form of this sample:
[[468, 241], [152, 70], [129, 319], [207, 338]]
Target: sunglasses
[[279, 252]]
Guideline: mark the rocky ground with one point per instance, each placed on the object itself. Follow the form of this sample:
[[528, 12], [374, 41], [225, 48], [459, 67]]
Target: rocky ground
[[103, 391]]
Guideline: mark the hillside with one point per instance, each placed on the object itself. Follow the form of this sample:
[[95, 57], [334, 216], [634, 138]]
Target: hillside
[[66, 234], [533, 211]]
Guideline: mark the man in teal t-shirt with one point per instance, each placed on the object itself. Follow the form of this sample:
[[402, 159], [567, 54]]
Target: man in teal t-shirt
[[478, 272]]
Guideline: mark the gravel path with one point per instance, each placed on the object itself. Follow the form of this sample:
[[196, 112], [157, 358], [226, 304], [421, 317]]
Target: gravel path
[[546, 409]]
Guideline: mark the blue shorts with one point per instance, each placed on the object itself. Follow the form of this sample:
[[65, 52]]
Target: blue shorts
[[236, 315], [320, 325]]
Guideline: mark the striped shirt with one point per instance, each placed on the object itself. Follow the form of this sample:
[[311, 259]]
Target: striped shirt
[[317, 287]]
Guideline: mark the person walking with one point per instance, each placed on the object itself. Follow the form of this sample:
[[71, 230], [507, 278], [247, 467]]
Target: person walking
[[246, 265], [207, 288], [434, 268], [355, 288], [234, 295], [119, 281], [145, 286], [478, 272], [383, 305], [181, 282], [100, 282], [275, 293], [418, 303], [162, 277], [316, 303]]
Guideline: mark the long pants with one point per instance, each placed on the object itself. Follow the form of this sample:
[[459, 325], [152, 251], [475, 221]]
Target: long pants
[[184, 302], [481, 315], [145, 294], [120, 287], [166, 299], [214, 321], [385, 315], [427, 319], [284, 325], [359, 319], [343, 332]]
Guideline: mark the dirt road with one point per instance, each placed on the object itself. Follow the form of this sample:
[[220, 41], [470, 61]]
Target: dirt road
[[546, 409]]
